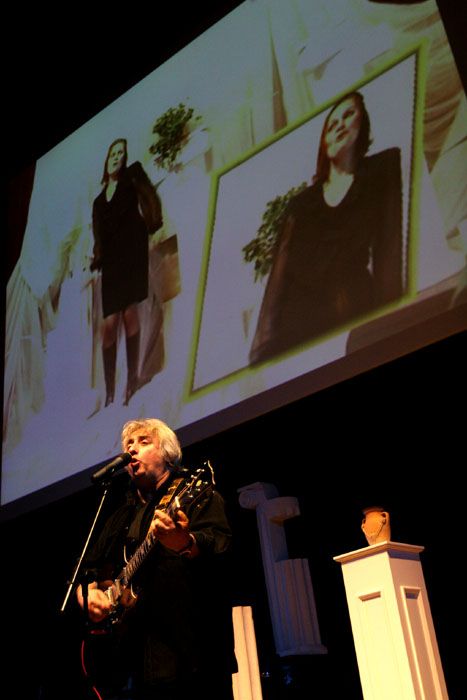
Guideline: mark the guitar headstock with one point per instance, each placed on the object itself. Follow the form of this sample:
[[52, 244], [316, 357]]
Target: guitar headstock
[[196, 485]]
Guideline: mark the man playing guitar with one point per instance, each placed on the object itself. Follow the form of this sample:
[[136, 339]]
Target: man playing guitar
[[169, 607]]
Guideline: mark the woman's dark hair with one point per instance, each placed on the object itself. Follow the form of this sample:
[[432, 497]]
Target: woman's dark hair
[[105, 174], [362, 143]]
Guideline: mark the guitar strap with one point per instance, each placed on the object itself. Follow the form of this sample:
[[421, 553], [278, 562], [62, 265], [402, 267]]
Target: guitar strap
[[134, 531]]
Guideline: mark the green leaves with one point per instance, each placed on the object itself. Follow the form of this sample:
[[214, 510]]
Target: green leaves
[[260, 250], [172, 132]]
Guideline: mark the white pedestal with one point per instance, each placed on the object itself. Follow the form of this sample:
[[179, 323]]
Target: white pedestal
[[246, 682], [393, 630]]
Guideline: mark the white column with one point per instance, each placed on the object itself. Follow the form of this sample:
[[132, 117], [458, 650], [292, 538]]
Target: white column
[[246, 683], [392, 627], [288, 581]]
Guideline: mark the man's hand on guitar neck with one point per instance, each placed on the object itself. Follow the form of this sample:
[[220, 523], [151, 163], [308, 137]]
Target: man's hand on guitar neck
[[173, 532]]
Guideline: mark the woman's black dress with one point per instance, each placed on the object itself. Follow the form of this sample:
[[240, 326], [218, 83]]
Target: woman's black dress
[[334, 264], [121, 240]]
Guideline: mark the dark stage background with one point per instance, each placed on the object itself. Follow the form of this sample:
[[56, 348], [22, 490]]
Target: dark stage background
[[393, 436]]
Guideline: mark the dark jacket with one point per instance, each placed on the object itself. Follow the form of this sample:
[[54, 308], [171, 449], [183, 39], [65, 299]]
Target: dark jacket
[[182, 621]]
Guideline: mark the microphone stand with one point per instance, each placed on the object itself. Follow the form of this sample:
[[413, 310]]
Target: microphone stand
[[83, 577], [76, 573]]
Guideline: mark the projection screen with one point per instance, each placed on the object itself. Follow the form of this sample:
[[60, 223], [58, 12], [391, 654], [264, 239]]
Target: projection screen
[[253, 95]]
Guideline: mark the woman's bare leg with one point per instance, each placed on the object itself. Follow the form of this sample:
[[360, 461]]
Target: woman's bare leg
[[132, 336], [109, 355]]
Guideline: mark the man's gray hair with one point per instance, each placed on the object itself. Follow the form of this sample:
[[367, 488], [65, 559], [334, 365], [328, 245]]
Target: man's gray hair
[[169, 444]]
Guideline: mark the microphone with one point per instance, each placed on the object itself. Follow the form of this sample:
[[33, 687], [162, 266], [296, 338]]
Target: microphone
[[109, 469]]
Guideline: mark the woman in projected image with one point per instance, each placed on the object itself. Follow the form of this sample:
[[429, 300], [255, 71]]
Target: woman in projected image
[[338, 254], [125, 212]]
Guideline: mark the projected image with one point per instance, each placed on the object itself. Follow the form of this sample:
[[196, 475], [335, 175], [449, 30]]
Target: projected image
[[330, 250], [266, 214], [338, 254], [126, 211]]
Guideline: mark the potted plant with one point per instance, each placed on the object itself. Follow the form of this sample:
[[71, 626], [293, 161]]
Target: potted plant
[[260, 250], [172, 131]]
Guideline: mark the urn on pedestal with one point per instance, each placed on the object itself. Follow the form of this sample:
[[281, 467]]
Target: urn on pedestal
[[376, 525]]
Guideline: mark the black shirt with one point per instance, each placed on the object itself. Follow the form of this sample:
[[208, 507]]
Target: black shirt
[[182, 622]]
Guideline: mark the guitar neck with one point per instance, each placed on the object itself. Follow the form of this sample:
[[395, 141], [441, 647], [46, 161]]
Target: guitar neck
[[181, 492], [169, 503], [137, 559]]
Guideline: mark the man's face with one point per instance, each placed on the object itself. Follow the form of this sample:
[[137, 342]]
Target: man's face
[[147, 464]]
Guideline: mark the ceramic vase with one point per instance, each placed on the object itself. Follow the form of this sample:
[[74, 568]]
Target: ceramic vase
[[376, 525]]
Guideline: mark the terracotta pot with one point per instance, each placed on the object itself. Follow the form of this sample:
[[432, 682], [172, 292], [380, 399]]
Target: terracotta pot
[[376, 525]]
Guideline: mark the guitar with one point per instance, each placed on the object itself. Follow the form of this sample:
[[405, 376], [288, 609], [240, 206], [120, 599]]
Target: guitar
[[188, 490]]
